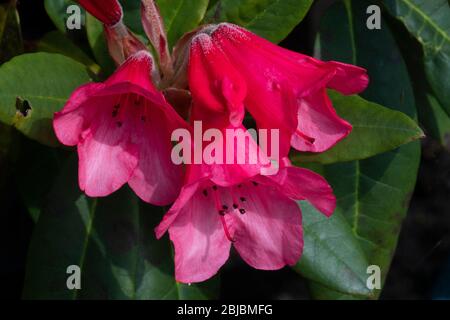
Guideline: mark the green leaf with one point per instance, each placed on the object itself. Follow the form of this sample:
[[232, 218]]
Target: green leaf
[[429, 22], [97, 42], [376, 129], [332, 256], [271, 19], [111, 240], [56, 42], [57, 11], [181, 16], [436, 120], [372, 194], [11, 43], [33, 87]]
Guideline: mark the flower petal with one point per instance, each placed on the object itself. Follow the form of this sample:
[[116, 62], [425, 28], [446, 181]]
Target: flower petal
[[156, 180], [106, 157], [319, 126], [349, 79], [217, 88], [76, 115], [269, 235], [201, 246], [302, 184]]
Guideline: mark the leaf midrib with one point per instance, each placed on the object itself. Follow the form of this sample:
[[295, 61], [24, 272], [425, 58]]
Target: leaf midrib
[[428, 20]]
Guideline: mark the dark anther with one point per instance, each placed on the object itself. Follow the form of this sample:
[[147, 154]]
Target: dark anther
[[242, 211], [243, 199], [225, 207], [214, 188], [255, 183], [114, 113], [119, 124], [205, 193], [240, 186], [117, 107], [235, 206], [222, 212], [143, 119]]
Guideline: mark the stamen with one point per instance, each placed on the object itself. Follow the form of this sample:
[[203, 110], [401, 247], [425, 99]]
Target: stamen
[[205, 193], [235, 206], [255, 183], [242, 211], [225, 228], [243, 199], [225, 207], [143, 119], [214, 188], [119, 124], [304, 136]]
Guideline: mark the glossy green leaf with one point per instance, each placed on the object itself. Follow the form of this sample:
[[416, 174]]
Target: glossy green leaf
[[332, 256], [376, 129], [111, 240], [271, 19], [372, 194], [11, 43], [57, 11], [181, 16], [429, 22], [56, 42], [33, 87]]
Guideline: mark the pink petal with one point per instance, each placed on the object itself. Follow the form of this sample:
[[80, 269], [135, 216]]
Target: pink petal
[[76, 115], [201, 246], [349, 79], [319, 126], [134, 75], [302, 184], [156, 179], [185, 196], [269, 235], [106, 157], [216, 86]]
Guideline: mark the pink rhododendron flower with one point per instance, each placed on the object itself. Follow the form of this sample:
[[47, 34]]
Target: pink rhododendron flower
[[258, 215], [122, 128], [230, 66], [121, 41]]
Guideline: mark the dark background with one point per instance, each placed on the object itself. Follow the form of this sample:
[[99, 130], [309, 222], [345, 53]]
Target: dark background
[[420, 268]]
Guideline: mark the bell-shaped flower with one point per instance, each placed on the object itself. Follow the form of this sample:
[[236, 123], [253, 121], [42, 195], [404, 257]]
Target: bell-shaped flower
[[122, 129]]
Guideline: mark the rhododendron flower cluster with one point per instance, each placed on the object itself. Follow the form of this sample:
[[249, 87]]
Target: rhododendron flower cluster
[[122, 129]]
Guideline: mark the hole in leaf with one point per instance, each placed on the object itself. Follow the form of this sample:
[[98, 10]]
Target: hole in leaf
[[23, 106]]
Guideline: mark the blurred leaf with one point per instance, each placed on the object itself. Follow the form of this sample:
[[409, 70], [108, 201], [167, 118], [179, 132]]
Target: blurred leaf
[[429, 22], [435, 119], [111, 240], [57, 11], [181, 16], [332, 255], [39, 166], [97, 42], [271, 19], [372, 194], [33, 87], [10, 33], [56, 42], [431, 113], [376, 129]]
